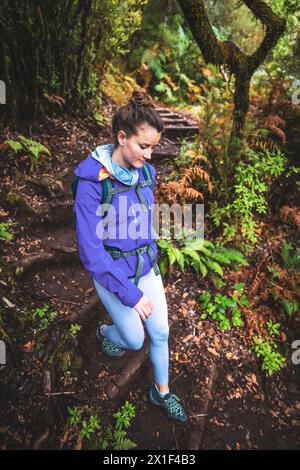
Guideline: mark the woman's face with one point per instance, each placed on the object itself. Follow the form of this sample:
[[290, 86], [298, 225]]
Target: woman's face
[[135, 150]]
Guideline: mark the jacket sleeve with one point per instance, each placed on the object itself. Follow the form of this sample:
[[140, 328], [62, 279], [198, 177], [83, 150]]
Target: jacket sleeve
[[96, 260]]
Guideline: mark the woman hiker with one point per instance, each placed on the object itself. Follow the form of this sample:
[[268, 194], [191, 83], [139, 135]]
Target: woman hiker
[[124, 268]]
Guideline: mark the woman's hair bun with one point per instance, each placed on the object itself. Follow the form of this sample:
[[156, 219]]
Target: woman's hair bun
[[140, 98]]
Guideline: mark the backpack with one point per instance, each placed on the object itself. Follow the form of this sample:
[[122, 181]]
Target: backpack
[[108, 192]]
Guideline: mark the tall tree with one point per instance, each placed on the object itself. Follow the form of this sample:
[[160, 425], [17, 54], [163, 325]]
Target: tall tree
[[59, 48], [226, 54]]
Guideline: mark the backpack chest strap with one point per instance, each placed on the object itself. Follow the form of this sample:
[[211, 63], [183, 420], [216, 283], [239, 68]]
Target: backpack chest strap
[[116, 253]]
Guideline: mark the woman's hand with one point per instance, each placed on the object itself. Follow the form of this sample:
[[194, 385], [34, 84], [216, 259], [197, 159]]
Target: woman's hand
[[144, 308]]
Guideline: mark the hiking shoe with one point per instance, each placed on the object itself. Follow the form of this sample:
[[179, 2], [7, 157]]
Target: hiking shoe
[[170, 404], [107, 346]]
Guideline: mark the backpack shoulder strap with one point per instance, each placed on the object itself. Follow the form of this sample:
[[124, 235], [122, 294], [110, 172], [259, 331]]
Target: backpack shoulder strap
[[147, 175], [105, 186], [74, 184], [106, 195]]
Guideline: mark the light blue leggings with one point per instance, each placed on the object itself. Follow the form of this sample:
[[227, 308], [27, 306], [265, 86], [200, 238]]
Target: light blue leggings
[[128, 329]]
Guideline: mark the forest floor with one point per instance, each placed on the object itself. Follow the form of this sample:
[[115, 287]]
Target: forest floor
[[232, 404]]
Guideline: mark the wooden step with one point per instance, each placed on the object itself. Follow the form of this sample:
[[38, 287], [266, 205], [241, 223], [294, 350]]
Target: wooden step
[[170, 115], [163, 110], [159, 155], [176, 120], [180, 131]]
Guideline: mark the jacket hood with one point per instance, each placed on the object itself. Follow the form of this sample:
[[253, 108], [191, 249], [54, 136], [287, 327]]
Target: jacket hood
[[89, 168], [99, 165]]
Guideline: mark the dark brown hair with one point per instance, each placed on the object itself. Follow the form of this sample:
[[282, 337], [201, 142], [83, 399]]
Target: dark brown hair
[[139, 109]]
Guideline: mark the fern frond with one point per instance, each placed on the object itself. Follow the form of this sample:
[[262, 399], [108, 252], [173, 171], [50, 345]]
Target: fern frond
[[233, 255], [221, 258], [214, 266]]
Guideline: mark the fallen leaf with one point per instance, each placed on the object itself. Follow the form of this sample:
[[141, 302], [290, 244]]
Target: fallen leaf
[[187, 338], [28, 347], [213, 351], [283, 336]]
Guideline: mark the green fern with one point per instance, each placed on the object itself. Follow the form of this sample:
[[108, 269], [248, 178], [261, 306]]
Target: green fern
[[122, 442], [32, 146], [201, 255], [291, 261]]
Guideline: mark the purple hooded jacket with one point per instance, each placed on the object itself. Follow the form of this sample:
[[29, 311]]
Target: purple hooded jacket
[[111, 273]]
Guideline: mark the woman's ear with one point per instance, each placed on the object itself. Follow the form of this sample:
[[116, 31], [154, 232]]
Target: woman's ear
[[121, 137]]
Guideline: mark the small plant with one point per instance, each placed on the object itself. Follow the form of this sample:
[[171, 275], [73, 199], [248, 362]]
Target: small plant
[[253, 177], [32, 146], [273, 361], [75, 415], [89, 427], [74, 329], [266, 349], [4, 234], [273, 328], [111, 437], [44, 317], [116, 438], [224, 309], [124, 415]]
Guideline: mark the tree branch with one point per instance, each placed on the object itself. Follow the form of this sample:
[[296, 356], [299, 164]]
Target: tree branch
[[197, 19], [275, 27]]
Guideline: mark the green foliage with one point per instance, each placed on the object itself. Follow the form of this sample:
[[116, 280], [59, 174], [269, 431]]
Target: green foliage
[[224, 309], [124, 415], [290, 307], [43, 317], [114, 438], [67, 64], [289, 268], [89, 427], [74, 329], [201, 255], [273, 328], [33, 147], [233, 21], [4, 234], [166, 47], [253, 179], [266, 349], [291, 261], [101, 120], [283, 62], [273, 361], [75, 415]]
